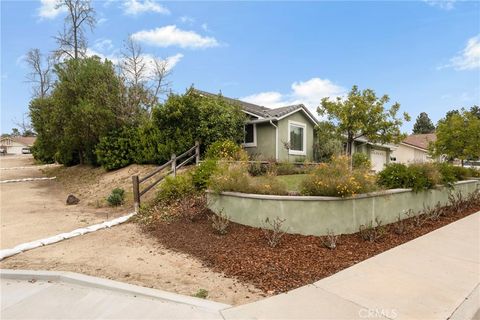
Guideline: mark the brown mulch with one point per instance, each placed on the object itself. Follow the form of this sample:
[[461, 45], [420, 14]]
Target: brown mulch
[[298, 260]]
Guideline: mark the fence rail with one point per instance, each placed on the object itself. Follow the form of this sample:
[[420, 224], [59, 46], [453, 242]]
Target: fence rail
[[192, 153]]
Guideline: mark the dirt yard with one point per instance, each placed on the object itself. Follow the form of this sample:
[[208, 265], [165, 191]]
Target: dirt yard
[[37, 209]]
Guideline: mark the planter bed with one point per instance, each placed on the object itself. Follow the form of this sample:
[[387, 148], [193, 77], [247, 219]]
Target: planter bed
[[313, 215], [298, 260]]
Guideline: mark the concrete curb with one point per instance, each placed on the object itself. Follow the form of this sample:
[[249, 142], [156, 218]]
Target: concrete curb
[[105, 284], [469, 307], [5, 253], [27, 179], [32, 167]]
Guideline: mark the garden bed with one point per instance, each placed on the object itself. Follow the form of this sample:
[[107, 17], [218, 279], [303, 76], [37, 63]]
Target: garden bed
[[298, 260]]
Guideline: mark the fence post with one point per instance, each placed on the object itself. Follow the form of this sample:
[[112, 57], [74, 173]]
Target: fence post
[[197, 152], [136, 193], [174, 165]]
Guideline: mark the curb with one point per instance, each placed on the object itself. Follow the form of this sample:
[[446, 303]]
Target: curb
[[5, 253], [27, 179], [105, 284]]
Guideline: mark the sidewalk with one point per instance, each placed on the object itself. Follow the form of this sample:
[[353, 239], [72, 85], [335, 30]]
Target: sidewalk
[[435, 276]]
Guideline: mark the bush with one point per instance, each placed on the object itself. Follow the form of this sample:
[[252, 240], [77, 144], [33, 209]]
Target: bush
[[117, 150], [424, 176], [201, 175], [335, 179], [235, 177], [175, 188], [361, 160], [116, 198], [394, 176], [226, 150]]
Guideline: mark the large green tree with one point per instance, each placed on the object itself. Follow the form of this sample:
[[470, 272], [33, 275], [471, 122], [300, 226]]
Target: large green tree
[[82, 108], [423, 124], [458, 136], [362, 114], [328, 143]]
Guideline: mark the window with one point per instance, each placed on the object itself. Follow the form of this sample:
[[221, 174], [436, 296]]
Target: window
[[297, 137], [250, 135]]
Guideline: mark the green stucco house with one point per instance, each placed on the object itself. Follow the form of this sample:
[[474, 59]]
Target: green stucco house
[[281, 134]]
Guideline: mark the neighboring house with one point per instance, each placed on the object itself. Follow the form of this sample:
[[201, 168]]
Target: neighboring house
[[16, 145], [414, 149], [268, 132], [379, 154]]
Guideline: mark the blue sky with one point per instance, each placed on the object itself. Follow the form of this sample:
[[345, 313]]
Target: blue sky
[[424, 54]]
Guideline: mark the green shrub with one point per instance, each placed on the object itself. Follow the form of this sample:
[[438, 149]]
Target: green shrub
[[235, 177], [116, 198], [117, 150], [449, 176], [473, 172], [335, 179], [226, 150], [361, 160], [201, 175], [417, 176], [284, 168], [175, 188]]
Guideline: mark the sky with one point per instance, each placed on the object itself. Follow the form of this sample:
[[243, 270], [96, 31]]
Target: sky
[[423, 54]]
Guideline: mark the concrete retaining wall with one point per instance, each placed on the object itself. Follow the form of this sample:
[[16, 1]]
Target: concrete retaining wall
[[316, 215]]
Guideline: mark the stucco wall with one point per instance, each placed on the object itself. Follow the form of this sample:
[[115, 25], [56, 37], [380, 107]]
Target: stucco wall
[[265, 149], [317, 215], [283, 135], [406, 154]]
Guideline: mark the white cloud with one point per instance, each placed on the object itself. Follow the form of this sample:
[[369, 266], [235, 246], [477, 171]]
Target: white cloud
[[172, 36], [442, 4], [468, 58], [48, 9], [308, 92], [205, 27], [136, 7], [101, 21], [103, 44]]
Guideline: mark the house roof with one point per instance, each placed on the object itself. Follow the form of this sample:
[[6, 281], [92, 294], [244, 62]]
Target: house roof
[[27, 141], [420, 140], [261, 111]]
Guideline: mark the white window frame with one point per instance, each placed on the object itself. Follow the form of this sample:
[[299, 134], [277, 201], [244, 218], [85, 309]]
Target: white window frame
[[254, 143], [304, 127]]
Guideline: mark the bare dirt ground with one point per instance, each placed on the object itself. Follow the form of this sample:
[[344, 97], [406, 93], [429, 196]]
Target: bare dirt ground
[[34, 210]]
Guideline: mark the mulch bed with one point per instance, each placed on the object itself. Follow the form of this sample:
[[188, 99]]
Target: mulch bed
[[298, 260]]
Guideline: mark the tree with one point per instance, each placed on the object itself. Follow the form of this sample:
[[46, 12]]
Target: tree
[[423, 124], [25, 126], [15, 132], [458, 137], [72, 41], [40, 72], [475, 110], [362, 114], [328, 143]]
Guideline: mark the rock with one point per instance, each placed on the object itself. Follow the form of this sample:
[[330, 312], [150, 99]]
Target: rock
[[71, 199]]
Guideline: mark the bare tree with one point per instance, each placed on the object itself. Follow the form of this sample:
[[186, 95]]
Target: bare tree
[[40, 72], [133, 65], [72, 41], [159, 78], [26, 129]]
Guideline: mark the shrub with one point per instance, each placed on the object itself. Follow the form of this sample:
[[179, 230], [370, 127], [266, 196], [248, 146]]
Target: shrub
[[418, 176], [361, 160], [337, 180], [371, 232], [274, 231], [117, 149], [226, 150], [201, 293], [116, 198], [174, 188], [330, 240], [202, 174], [220, 222]]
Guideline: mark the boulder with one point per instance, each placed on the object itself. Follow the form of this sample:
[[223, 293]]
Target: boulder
[[71, 199]]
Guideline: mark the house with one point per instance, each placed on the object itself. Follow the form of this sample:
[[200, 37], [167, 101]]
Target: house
[[16, 145], [282, 134], [379, 154], [414, 149]]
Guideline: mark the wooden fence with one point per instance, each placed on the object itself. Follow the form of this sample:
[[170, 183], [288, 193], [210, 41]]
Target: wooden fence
[[189, 155]]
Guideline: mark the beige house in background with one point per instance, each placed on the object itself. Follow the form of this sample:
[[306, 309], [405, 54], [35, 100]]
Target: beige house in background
[[414, 149], [16, 145]]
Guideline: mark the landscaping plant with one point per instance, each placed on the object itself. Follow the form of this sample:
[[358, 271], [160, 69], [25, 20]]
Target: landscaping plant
[[220, 222], [274, 231], [371, 232], [330, 240], [116, 198]]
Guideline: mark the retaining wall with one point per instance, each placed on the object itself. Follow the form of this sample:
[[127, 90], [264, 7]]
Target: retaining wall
[[316, 215]]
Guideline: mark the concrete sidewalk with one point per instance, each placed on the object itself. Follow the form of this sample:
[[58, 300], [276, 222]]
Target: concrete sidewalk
[[435, 276], [65, 295]]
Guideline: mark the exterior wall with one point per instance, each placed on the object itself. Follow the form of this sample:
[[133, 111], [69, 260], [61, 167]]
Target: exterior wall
[[283, 135], [265, 148], [318, 215], [367, 149], [406, 154], [11, 146]]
